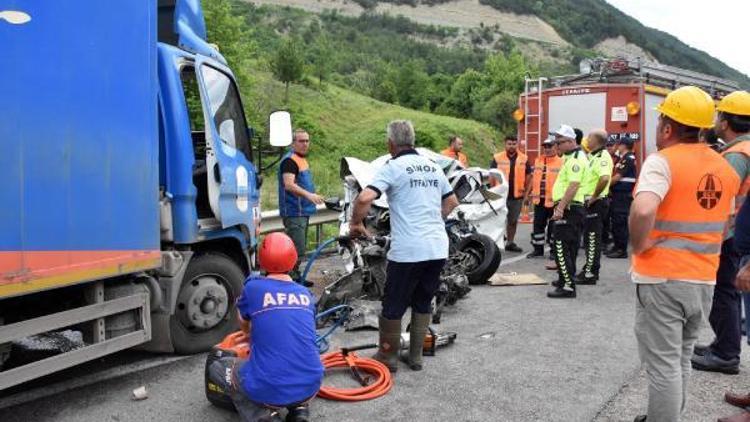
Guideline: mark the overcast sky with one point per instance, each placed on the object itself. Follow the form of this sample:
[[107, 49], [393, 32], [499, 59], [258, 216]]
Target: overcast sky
[[719, 27]]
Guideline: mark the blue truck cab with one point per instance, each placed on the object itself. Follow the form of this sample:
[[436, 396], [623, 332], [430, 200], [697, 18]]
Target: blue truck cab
[[130, 200]]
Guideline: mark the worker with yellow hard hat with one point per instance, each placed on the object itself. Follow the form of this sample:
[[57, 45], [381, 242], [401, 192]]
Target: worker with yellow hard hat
[[732, 125], [683, 199], [734, 119]]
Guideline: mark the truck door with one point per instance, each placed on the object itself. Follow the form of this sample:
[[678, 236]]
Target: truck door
[[232, 190]]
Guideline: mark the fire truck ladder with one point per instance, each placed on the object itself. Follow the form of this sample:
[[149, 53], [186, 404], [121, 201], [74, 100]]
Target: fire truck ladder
[[533, 86]]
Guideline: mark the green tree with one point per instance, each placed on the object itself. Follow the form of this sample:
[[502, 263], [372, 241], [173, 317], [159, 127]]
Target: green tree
[[229, 32], [288, 64], [506, 73], [440, 88], [463, 94], [322, 58], [412, 84]]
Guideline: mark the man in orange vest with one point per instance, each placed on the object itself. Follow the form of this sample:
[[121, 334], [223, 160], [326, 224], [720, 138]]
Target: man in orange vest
[[723, 355], [455, 145], [683, 199], [546, 169], [516, 167]]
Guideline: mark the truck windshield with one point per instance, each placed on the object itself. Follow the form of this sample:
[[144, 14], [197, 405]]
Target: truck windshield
[[226, 110]]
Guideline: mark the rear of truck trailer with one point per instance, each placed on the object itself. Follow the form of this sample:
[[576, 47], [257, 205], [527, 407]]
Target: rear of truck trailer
[[79, 201]]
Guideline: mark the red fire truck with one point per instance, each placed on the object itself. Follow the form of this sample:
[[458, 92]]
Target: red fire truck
[[617, 95]]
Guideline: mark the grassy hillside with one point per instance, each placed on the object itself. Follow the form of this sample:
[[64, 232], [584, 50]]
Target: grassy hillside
[[344, 123], [340, 121]]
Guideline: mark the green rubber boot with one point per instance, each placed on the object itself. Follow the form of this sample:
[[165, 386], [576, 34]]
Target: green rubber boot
[[417, 332], [389, 344]]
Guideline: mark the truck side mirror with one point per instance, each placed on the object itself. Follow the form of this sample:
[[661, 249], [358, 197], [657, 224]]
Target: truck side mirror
[[280, 129]]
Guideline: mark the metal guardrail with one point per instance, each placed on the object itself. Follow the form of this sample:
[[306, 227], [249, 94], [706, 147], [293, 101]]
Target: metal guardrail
[[271, 221]]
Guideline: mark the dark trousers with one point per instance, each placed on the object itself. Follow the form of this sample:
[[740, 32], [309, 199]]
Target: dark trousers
[[410, 284], [726, 306], [296, 229], [223, 374], [567, 232], [620, 211], [593, 226], [542, 230], [607, 228]]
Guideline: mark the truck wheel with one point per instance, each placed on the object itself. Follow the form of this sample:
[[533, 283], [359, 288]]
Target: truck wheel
[[481, 258], [205, 310]]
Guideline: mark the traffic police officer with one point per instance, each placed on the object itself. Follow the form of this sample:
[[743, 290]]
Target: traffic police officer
[[622, 196], [595, 188], [568, 213]]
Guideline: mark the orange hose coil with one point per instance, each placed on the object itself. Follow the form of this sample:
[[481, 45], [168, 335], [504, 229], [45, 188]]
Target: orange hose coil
[[380, 387]]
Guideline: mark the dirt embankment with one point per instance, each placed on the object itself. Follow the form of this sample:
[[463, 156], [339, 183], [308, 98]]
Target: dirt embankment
[[620, 47], [460, 14]]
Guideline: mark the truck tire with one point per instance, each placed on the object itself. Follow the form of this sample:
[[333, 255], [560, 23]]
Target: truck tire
[[484, 257], [205, 310]]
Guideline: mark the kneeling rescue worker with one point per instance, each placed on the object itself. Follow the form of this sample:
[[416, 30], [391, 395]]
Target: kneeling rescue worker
[[283, 370], [683, 200], [567, 217], [419, 198]]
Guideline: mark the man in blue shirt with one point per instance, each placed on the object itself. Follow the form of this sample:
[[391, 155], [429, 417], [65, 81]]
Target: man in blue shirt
[[419, 198], [284, 368], [742, 246], [623, 182]]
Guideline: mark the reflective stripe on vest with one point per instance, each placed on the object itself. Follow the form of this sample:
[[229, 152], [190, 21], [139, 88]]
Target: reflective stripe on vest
[[691, 246], [691, 218], [742, 147], [553, 169], [503, 164], [684, 227]]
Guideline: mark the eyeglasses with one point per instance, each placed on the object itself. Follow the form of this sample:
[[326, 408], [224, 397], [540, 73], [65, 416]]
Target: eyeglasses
[[546, 146]]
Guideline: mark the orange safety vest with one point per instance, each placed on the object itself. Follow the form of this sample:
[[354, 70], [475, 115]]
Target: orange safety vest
[[553, 168], [460, 156], [742, 147], [692, 216], [503, 164]]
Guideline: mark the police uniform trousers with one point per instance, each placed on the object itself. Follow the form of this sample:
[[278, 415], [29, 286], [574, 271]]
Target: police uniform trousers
[[607, 228], [567, 232], [726, 306], [620, 211], [593, 227], [542, 229]]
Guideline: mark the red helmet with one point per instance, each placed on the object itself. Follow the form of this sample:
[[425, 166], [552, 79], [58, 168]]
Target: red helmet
[[277, 253]]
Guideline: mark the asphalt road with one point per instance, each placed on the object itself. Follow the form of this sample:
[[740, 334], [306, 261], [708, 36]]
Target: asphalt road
[[519, 357]]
